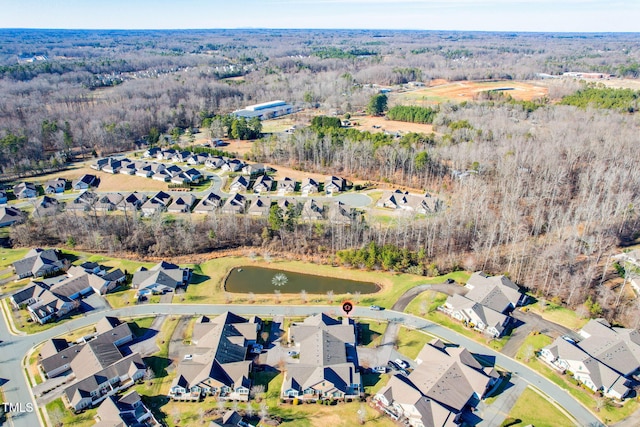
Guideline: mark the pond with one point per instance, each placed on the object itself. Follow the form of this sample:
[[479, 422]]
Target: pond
[[261, 280]]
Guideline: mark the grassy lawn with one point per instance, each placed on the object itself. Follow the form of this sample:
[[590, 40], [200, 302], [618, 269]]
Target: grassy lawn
[[608, 414], [558, 314], [410, 342], [59, 414], [9, 256], [531, 408], [140, 326], [424, 305], [160, 362], [371, 333]]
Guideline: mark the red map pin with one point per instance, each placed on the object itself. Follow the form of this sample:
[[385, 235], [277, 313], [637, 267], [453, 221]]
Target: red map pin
[[347, 307]]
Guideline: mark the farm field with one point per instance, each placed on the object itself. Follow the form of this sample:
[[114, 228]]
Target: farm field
[[468, 90], [366, 123]]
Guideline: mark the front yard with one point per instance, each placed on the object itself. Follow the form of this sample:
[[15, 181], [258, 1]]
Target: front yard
[[533, 409]]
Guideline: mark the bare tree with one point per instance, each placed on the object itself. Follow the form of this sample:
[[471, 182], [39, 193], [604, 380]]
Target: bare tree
[[303, 296]]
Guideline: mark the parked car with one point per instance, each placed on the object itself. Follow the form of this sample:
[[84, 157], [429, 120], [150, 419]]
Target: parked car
[[375, 307], [188, 356], [380, 369], [292, 353], [393, 365], [256, 349], [402, 363]]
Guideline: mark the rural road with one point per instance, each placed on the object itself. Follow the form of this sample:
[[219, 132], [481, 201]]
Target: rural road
[[14, 348]]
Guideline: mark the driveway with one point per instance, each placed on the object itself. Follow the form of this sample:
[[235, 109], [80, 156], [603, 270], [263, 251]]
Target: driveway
[[93, 302], [409, 295]]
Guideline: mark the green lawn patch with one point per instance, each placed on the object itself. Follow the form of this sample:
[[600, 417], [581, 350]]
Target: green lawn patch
[[59, 414], [558, 314], [532, 408], [410, 341]]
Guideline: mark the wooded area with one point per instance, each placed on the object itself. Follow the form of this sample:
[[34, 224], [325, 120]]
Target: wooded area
[[554, 189]]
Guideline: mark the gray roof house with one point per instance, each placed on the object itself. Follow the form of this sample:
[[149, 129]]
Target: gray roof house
[[84, 182], [328, 364], [483, 318], [25, 190], [162, 277], [182, 203], [234, 205], [309, 186], [84, 202], [48, 206], [232, 165], [593, 373], [54, 186], [109, 202], [124, 411], [219, 365], [253, 169], [10, 215], [311, 211], [496, 292], [339, 213], [157, 203], [403, 200], [229, 419], [259, 206], [334, 184], [208, 204], [132, 202], [39, 262], [263, 184], [239, 183], [214, 162], [286, 185], [435, 393]]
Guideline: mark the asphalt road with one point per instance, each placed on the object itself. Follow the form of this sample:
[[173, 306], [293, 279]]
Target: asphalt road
[[14, 348]]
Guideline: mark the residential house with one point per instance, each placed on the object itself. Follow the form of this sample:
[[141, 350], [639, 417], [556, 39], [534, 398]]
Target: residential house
[[446, 380], [496, 292], [55, 186], [143, 169], [594, 374], [109, 202], [127, 167], [166, 154], [286, 185], [285, 203], [618, 348], [327, 367], [174, 169], [80, 283], [232, 165], [157, 203], [85, 182], [25, 190], [193, 174], [334, 184], [208, 204], [40, 262], [182, 156], [263, 184], [100, 163], [182, 203], [214, 162], [403, 200], [309, 186], [312, 211], [161, 278], [3, 197], [10, 215], [234, 205], [218, 365], [48, 206], [239, 183], [115, 278], [339, 213], [180, 178], [259, 206], [50, 306], [161, 175], [198, 159], [112, 166], [152, 153], [229, 419], [132, 202], [125, 411], [84, 202], [476, 315], [253, 169]]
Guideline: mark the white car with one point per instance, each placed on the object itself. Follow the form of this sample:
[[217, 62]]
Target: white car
[[403, 364], [188, 356], [380, 370], [292, 353]]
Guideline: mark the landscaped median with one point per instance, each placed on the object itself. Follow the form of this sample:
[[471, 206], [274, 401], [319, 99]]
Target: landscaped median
[[603, 408]]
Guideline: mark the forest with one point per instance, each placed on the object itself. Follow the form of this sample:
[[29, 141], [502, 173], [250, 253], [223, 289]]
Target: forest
[[554, 191]]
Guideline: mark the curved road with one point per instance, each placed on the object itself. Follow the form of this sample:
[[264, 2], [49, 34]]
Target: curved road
[[14, 348]]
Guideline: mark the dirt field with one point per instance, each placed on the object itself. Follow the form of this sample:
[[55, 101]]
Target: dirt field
[[366, 123], [619, 83], [109, 182], [466, 91]]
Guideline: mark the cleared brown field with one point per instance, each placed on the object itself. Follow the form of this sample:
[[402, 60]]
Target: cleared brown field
[[108, 182], [467, 91], [366, 123]]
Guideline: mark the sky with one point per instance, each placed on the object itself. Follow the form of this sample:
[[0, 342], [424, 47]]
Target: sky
[[466, 15]]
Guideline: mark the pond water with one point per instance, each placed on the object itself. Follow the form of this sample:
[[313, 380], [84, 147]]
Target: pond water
[[261, 280]]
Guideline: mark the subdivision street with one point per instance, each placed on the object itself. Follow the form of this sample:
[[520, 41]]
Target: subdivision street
[[14, 348]]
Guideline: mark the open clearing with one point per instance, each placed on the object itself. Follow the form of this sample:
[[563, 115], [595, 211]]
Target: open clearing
[[367, 123], [467, 91]]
